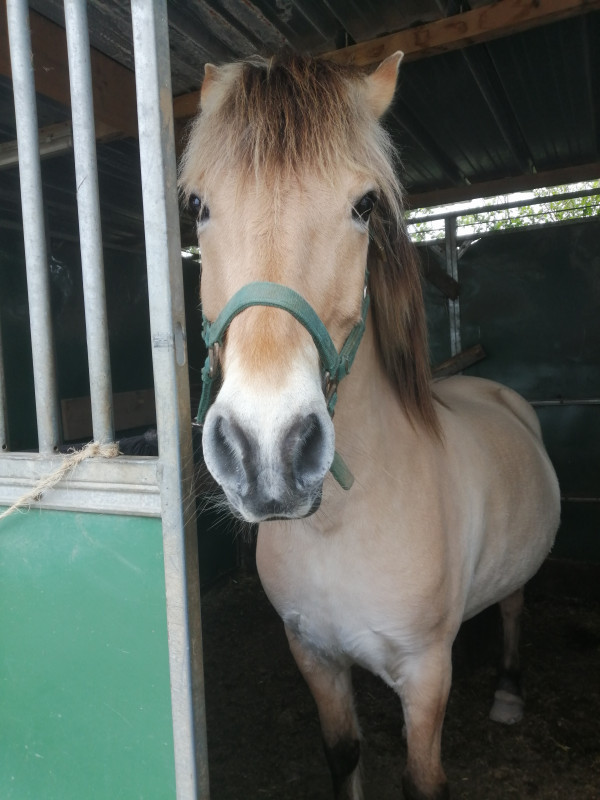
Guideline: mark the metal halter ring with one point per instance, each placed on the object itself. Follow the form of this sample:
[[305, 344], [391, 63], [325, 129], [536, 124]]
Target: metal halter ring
[[214, 358]]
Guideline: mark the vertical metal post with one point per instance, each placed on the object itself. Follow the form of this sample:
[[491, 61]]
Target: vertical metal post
[[36, 257], [452, 270], [3, 411], [169, 352], [88, 207]]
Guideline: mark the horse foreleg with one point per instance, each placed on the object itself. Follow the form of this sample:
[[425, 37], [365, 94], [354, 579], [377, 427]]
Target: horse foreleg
[[331, 686], [508, 699], [424, 692]]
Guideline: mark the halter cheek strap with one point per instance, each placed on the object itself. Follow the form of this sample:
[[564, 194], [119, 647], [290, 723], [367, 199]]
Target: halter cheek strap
[[334, 365]]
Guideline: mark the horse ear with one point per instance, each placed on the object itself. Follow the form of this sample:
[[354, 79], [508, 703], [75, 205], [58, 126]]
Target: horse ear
[[381, 84], [210, 78]]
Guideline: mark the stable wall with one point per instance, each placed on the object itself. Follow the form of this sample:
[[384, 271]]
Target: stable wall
[[531, 298]]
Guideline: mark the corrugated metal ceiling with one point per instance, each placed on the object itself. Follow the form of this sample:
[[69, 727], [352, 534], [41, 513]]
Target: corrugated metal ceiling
[[520, 105]]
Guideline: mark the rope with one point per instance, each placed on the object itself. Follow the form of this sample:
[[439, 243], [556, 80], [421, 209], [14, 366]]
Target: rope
[[69, 463]]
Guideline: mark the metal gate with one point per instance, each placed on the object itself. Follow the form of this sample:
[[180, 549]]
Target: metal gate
[[99, 582]]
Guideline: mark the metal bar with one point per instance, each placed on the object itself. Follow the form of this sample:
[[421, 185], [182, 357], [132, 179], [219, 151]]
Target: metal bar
[[3, 410], [472, 237], [88, 208], [534, 201], [36, 258], [575, 499], [452, 270], [173, 413], [591, 401], [125, 485]]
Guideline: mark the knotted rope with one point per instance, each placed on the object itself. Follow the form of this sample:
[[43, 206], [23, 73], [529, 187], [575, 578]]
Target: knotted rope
[[34, 495]]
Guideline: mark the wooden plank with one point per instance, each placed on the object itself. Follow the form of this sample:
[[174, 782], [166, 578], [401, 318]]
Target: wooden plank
[[483, 24], [501, 186], [439, 278], [131, 410], [113, 84], [54, 141], [459, 362], [186, 105]]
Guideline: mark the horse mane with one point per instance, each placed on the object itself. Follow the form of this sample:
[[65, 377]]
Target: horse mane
[[280, 116], [399, 322]]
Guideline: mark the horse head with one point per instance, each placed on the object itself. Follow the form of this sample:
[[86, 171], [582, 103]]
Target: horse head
[[284, 168]]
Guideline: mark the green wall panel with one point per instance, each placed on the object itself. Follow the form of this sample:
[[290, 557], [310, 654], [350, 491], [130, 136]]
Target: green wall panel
[[531, 298], [84, 675]]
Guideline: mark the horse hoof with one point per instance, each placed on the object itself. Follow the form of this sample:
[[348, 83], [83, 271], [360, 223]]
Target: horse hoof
[[507, 708]]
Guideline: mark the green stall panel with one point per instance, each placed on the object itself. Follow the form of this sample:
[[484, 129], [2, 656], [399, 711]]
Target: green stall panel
[[85, 702], [531, 299]]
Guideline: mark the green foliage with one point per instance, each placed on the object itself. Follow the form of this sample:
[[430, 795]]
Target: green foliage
[[479, 222]]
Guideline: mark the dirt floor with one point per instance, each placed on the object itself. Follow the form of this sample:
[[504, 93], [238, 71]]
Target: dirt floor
[[264, 739]]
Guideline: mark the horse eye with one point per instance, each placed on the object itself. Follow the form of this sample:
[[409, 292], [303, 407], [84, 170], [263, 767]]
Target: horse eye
[[198, 208], [361, 211]]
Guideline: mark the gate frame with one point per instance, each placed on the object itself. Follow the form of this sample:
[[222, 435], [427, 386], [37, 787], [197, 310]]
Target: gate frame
[[159, 487]]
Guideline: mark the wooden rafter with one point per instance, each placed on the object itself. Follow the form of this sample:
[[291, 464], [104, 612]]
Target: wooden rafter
[[501, 186], [54, 140], [502, 18], [114, 85]]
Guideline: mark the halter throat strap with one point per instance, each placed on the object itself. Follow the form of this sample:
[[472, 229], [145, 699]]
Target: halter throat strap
[[334, 365]]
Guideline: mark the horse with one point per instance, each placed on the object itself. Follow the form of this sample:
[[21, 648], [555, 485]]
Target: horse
[[390, 508]]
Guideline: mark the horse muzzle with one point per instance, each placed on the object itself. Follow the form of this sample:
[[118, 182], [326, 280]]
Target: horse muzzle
[[275, 471]]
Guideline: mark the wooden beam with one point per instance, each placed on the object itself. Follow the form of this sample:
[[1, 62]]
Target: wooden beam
[[483, 24], [439, 278], [113, 84], [456, 364], [516, 183], [186, 105], [54, 141], [131, 410], [493, 21]]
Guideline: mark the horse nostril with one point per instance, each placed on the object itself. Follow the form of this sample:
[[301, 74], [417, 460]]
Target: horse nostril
[[230, 449], [227, 459], [305, 451]]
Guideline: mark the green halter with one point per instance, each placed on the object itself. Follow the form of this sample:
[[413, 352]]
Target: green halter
[[334, 365]]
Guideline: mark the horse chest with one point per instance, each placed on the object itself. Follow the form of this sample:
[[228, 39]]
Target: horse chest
[[329, 611], [338, 631]]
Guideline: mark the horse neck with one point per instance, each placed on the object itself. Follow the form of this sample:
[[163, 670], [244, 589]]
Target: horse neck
[[368, 412]]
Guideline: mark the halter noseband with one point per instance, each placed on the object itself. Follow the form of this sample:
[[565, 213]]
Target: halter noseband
[[334, 365]]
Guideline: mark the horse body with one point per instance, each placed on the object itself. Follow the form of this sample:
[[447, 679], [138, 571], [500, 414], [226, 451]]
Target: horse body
[[437, 531], [454, 503]]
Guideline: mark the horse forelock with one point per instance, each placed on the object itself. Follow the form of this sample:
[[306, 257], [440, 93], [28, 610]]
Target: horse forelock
[[281, 117], [285, 116]]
